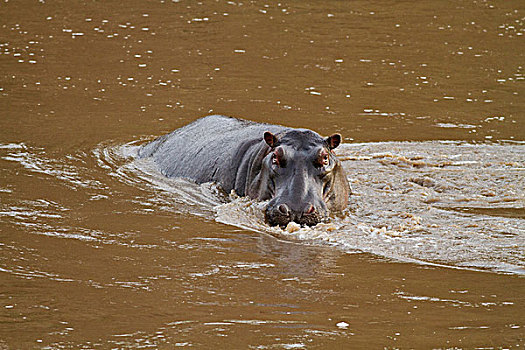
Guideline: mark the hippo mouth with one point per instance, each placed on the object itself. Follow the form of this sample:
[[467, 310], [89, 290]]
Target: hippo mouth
[[281, 216]]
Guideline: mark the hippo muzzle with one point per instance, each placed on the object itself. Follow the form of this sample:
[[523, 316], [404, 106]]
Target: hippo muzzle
[[279, 213]]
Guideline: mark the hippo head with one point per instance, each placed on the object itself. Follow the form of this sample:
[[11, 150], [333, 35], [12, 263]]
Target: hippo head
[[301, 177]]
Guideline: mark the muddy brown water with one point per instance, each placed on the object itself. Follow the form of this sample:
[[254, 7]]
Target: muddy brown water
[[98, 250]]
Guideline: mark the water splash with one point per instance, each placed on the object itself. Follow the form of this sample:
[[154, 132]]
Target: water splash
[[439, 203]]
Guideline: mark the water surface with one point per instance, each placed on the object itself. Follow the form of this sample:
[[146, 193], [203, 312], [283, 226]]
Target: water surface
[[98, 250]]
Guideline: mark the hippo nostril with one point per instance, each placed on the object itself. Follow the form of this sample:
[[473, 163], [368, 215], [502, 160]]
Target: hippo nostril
[[283, 208], [309, 209]]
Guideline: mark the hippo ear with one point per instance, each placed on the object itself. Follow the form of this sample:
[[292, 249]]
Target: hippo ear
[[333, 141], [270, 139]]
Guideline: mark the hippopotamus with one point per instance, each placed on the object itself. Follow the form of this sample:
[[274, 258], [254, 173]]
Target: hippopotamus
[[295, 170]]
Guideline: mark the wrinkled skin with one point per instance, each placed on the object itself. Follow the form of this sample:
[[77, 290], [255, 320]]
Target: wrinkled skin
[[294, 169]]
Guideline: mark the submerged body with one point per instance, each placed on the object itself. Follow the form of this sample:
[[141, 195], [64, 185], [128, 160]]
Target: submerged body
[[295, 169]]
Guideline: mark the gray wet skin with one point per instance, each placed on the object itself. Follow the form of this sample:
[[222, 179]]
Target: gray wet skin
[[295, 169]]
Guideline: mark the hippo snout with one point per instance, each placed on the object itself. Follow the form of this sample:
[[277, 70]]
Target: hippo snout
[[280, 214]]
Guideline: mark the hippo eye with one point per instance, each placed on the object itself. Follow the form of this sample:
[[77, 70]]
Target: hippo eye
[[325, 159], [278, 158], [275, 159]]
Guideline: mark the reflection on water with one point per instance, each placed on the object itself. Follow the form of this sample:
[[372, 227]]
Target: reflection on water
[[97, 250]]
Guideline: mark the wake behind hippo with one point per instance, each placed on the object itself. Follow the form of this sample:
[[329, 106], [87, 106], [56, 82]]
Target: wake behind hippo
[[295, 169]]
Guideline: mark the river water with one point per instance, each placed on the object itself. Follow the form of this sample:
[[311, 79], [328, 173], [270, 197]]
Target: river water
[[99, 250]]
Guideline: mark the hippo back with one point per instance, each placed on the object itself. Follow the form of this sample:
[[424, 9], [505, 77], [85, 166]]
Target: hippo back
[[210, 149]]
